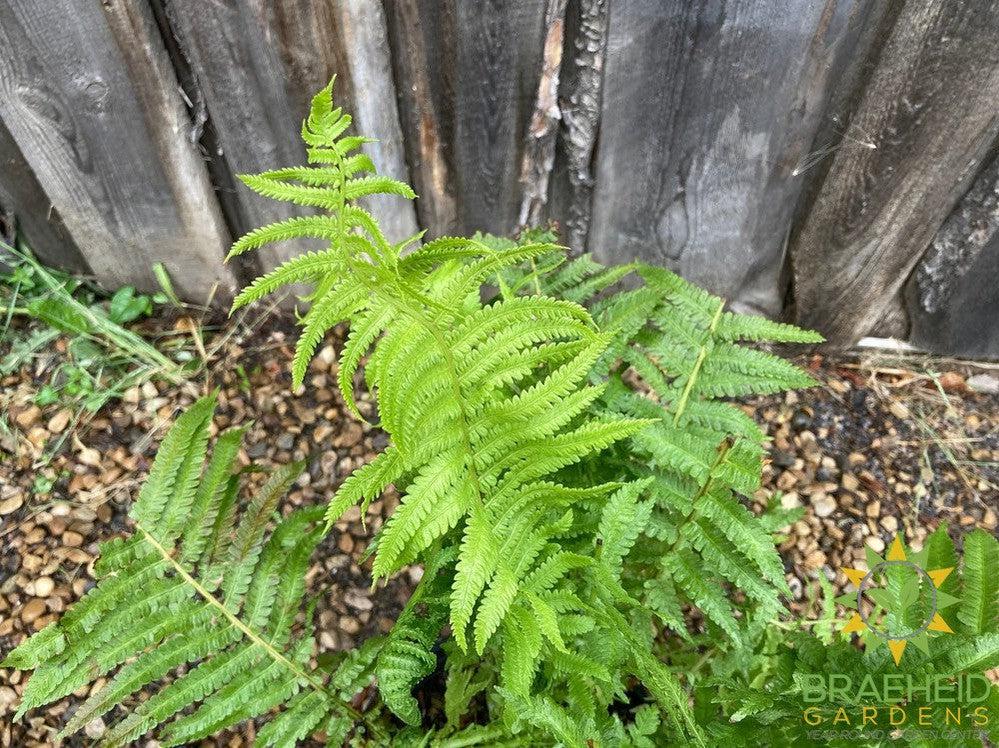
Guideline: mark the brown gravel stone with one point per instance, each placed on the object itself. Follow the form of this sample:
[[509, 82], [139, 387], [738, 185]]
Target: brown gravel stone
[[58, 423], [95, 728], [42, 587], [345, 543], [11, 504], [350, 625], [8, 699], [823, 504], [90, 457], [350, 435], [28, 417], [32, 610], [358, 600]]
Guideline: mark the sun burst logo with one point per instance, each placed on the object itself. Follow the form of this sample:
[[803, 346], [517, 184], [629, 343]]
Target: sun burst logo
[[898, 600]]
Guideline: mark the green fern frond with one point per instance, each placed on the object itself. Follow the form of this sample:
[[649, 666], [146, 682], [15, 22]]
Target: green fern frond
[[979, 605], [191, 589], [301, 227], [623, 520], [673, 354], [733, 327], [306, 267], [408, 654], [484, 404]]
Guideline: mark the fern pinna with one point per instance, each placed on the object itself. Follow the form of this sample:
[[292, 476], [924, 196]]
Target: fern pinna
[[674, 354], [483, 403], [197, 586]]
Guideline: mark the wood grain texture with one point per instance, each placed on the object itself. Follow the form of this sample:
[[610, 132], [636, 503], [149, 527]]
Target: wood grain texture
[[966, 325], [497, 68], [257, 65], [867, 30], [708, 110], [87, 92], [423, 63], [879, 207], [318, 39], [470, 71], [240, 77], [24, 206], [538, 159], [968, 231], [953, 294]]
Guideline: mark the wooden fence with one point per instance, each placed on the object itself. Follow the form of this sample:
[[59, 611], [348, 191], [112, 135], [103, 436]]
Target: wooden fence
[[830, 161]]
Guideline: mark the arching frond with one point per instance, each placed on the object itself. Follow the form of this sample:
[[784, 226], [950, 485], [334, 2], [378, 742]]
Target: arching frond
[[194, 588], [673, 354]]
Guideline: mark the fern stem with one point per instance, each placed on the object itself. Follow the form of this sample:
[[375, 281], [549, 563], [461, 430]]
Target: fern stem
[[253, 636], [701, 355], [723, 449], [534, 276], [452, 373]]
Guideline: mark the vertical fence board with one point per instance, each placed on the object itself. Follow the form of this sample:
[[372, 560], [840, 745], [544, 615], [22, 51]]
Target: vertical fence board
[[423, 60], [953, 295], [708, 111], [23, 200], [580, 95], [87, 92], [538, 159], [879, 207], [240, 77], [966, 325], [498, 64], [362, 30], [470, 71], [257, 64]]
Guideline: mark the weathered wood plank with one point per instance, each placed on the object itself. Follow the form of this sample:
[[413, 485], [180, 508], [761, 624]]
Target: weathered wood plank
[[239, 77], [423, 65], [708, 110], [966, 325], [258, 64], [498, 65], [362, 30], [24, 204], [953, 295], [88, 94], [538, 160], [867, 29], [471, 70], [879, 207]]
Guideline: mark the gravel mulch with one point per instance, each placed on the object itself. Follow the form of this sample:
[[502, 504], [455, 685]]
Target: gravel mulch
[[873, 451]]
